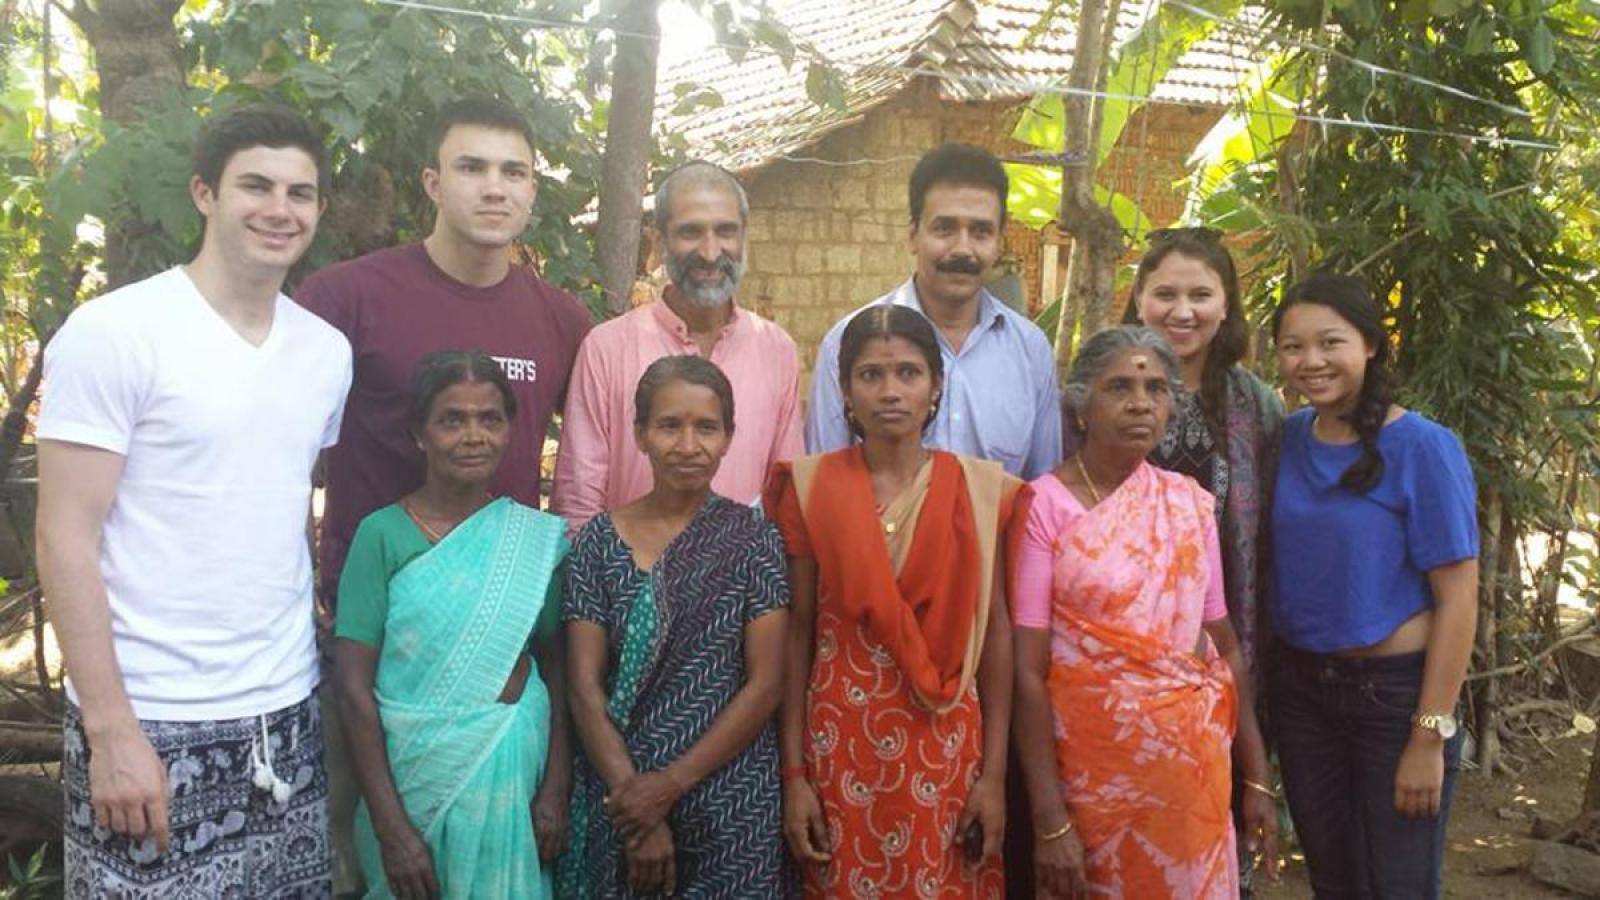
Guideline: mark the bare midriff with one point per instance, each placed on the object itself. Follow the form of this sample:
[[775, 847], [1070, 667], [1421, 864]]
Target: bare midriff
[[512, 692], [1410, 637]]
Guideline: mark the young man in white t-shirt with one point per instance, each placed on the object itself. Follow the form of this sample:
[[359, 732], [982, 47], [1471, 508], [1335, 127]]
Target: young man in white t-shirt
[[181, 419]]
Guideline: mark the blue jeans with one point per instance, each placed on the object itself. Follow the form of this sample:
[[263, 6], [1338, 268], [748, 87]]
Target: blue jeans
[[1340, 726]]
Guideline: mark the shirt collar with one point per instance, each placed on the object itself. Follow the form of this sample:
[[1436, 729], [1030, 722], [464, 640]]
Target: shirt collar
[[991, 312]]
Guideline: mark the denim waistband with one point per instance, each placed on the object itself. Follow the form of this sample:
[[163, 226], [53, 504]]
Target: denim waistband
[[1331, 666]]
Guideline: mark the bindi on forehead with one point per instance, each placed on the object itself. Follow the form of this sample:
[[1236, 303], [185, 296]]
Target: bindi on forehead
[[1140, 361]]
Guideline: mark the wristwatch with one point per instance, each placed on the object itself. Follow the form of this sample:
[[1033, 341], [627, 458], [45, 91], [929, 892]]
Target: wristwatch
[[1443, 724]]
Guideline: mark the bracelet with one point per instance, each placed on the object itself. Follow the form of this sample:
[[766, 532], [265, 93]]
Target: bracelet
[[1061, 832], [1260, 787], [790, 773]]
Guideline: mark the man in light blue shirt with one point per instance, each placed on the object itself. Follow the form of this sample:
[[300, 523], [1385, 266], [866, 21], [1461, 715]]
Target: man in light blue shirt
[[1000, 399]]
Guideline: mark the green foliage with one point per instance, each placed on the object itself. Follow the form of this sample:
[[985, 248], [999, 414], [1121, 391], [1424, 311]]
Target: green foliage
[[31, 880], [42, 262], [1246, 138], [370, 77], [1035, 196]]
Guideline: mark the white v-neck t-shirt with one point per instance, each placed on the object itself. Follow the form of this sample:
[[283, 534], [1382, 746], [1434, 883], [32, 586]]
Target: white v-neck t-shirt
[[204, 551]]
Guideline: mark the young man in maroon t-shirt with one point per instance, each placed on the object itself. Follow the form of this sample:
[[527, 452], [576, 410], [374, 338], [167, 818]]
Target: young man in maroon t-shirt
[[455, 290]]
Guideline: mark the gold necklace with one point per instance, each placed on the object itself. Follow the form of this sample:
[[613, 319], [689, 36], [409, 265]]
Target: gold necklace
[[889, 526], [433, 537], [1089, 482]]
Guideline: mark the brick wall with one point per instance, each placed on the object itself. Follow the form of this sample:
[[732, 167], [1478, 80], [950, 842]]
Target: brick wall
[[825, 239]]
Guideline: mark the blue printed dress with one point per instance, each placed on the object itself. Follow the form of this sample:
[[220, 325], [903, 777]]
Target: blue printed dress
[[675, 660]]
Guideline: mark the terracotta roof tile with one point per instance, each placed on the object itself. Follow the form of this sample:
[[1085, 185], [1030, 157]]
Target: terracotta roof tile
[[880, 46]]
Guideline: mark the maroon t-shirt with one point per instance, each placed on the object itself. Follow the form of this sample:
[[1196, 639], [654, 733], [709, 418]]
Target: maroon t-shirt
[[396, 307]]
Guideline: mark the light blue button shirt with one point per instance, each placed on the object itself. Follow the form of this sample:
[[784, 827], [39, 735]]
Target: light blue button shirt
[[1000, 401]]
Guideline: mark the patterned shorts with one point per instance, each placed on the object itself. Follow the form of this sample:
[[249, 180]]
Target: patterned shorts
[[228, 837]]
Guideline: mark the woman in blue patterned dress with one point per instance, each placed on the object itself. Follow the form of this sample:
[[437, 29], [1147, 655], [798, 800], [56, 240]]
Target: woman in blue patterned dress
[[676, 612]]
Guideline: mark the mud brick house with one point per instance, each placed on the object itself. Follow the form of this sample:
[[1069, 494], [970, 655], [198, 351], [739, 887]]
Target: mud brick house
[[828, 217]]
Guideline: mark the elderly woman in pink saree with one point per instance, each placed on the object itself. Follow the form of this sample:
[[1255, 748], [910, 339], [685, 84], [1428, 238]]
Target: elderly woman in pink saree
[[1129, 695]]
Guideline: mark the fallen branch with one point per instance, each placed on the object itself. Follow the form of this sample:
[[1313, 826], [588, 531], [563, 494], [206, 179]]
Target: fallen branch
[[1529, 706], [29, 743], [1530, 662], [41, 665], [32, 702]]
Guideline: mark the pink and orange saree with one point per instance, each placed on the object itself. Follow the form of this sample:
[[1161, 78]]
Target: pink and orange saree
[[1144, 707]]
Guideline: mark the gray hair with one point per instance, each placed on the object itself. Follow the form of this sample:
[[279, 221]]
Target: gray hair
[[697, 173], [1096, 355]]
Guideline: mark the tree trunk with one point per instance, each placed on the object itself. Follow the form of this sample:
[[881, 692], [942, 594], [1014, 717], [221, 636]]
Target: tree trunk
[[633, 96], [1487, 705], [1508, 587], [139, 59], [1096, 234]]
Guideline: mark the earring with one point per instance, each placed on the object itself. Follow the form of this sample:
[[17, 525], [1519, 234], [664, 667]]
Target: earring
[[850, 417]]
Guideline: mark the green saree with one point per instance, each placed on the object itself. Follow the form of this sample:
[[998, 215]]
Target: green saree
[[466, 766]]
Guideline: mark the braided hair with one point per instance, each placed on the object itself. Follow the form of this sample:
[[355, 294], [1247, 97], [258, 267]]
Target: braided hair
[[1349, 298]]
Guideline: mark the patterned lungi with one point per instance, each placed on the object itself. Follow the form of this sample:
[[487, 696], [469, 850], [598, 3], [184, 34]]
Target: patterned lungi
[[229, 838]]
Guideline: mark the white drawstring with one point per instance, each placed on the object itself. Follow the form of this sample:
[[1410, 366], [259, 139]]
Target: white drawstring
[[262, 775]]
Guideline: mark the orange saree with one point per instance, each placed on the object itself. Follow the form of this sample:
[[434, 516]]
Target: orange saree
[[894, 727], [1144, 725]]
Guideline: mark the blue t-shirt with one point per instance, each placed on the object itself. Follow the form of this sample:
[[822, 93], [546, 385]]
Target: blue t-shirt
[[1351, 568]]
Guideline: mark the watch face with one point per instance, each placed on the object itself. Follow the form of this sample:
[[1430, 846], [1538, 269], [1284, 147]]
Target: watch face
[[1447, 726]]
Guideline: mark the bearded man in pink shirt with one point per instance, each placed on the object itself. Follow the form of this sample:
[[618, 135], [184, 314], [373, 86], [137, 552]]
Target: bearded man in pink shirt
[[700, 212]]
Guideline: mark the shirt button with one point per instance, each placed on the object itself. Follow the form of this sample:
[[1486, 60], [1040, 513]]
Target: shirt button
[[955, 417]]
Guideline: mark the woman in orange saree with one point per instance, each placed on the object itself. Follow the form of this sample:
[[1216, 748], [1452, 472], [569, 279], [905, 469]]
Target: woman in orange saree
[[898, 695], [1129, 687]]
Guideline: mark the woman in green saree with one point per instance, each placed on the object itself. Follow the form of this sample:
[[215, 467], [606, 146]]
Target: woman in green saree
[[462, 760]]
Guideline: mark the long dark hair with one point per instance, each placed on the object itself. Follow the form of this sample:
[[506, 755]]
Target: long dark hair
[[884, 321], [1232, 340], [1348, 297]]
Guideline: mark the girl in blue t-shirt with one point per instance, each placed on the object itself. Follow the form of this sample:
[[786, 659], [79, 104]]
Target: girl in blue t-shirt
[[1375, 567]]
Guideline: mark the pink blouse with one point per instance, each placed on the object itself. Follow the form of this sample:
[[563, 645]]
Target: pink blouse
[[1052, 514]]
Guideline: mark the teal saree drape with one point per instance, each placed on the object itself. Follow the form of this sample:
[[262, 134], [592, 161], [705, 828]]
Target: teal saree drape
[[465, 765]]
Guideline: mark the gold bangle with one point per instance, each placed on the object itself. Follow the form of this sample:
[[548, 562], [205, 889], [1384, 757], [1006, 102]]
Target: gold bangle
[[1058, 833], [1260, 787]]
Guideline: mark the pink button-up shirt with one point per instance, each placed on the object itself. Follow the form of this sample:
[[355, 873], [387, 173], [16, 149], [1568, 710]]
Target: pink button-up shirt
[[600, 466]]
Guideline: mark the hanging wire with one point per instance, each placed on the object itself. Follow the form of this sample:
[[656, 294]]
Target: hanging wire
[[1014, 84], [1374, 68], [842, 163]]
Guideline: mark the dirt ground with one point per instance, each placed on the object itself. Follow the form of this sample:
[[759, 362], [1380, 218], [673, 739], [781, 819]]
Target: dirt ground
[[1489, 839]]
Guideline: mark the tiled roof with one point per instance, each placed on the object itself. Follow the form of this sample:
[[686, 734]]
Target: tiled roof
[[881, 45]]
